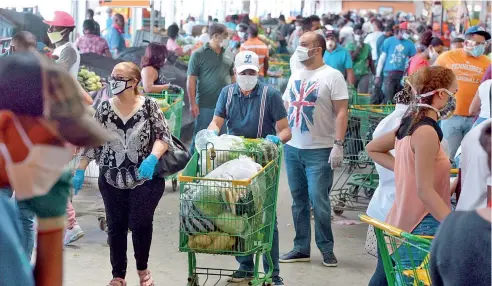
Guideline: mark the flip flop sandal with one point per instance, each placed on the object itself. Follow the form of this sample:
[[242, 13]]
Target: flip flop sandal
[[117, 282], [145, 278]]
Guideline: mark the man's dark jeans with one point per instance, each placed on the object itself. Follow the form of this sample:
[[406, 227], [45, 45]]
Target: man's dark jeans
[[391, 85]]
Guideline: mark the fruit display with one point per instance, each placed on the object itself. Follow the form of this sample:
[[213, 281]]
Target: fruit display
[[90, 81]]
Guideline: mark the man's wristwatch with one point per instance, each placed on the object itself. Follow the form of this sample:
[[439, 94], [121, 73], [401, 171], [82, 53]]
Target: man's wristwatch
[[339, 142]]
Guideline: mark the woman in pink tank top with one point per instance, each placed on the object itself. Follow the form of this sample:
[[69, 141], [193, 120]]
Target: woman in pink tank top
[[422, 198]]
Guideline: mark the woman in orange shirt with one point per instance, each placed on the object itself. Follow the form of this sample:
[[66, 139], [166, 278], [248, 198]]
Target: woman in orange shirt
[[422, 198]]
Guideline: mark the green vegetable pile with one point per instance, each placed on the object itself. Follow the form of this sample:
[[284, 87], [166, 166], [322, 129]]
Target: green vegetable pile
[[90, 81]]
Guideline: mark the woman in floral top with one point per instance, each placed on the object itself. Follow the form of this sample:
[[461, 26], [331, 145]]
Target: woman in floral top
[[126, 164]]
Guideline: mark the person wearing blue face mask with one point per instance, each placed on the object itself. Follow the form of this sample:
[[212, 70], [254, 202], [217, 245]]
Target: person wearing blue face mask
[[469, 65]]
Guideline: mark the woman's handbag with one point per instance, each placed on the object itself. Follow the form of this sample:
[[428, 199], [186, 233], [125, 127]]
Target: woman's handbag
[[174, 159], [371, 245]]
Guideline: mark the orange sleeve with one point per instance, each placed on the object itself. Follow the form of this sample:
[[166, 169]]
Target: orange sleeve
[[441, 60]]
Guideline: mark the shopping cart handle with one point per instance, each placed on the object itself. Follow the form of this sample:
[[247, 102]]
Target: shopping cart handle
[[381, 225]]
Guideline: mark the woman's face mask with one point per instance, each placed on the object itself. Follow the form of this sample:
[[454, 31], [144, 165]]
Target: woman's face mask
[[118, 85], [447, 110]]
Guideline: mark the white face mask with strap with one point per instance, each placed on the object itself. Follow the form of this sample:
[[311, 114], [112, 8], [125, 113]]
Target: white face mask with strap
[[40, 170], [443, 113]]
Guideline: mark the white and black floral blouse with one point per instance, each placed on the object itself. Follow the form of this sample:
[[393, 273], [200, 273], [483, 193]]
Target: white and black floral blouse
[[119, 159]]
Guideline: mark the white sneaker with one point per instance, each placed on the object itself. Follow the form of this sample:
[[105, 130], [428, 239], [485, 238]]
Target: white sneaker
[[72, 235]]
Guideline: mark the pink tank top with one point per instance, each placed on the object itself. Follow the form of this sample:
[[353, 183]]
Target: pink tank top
[[408, 209]]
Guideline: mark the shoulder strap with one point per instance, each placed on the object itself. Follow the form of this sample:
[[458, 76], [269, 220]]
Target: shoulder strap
[[229, 99], [262, 112]]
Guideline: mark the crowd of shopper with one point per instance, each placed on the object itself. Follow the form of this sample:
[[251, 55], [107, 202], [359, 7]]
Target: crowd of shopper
[[442, 97]]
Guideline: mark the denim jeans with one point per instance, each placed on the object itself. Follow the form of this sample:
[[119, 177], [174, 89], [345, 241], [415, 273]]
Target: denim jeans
[[27, 218], [479, 120], [310, 177], [391, 85], [202, 122], [454, 130], [247, 262]]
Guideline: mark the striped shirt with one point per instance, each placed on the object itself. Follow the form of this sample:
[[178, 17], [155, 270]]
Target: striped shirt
[[260, 48]]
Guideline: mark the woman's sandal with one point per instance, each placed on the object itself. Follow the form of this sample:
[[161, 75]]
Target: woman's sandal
[[117, 282], [145, 278]]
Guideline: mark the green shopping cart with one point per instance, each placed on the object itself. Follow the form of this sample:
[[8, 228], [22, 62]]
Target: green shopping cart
[[227, 217], [354, 186], [405, 256], [172, 106]]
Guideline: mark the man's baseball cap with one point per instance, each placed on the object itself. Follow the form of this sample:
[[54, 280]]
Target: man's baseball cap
[[403, 26], [479, 30], [32, 86], [61, 19], [247, 60]]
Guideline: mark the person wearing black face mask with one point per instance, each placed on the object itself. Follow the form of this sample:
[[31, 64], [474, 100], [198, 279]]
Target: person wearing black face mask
[[391, 64]]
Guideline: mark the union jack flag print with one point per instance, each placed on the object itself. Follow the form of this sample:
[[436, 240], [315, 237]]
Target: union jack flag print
[[303, 96]]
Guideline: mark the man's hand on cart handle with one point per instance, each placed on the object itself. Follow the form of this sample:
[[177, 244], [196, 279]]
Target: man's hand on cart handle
[[336, 156]]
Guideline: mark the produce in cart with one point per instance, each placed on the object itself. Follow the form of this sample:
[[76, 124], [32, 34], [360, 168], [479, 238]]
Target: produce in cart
[[90, 81]]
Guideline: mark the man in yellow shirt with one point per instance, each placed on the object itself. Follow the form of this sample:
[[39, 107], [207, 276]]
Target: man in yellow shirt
[[257, 46], [469, 65]]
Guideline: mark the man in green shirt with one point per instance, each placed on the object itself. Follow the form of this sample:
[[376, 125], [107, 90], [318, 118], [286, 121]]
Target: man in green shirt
[[361, 56], [209, 70]]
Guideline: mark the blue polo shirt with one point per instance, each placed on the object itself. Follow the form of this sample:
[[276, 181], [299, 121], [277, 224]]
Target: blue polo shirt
[[243, 115], [339, 59]]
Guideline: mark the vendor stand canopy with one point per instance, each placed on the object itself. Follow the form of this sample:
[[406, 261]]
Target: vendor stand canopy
[[12, 22]]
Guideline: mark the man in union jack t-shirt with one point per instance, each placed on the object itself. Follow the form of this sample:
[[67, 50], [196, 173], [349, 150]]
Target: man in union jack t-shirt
[[316, 99]]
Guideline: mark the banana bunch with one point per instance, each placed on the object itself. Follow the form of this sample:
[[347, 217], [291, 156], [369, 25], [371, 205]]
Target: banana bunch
[[90, 81]]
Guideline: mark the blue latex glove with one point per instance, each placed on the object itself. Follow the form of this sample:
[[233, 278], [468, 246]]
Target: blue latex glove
[[78, 180], [216, 133], [146, 169], [274, 139]]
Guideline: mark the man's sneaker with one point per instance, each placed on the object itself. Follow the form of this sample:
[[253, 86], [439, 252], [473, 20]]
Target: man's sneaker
[[329, 259], [240, 276], [72, 235], [294, 256], [277, 280]]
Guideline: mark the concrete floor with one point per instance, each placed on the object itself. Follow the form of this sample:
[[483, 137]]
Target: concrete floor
[[87, 260]]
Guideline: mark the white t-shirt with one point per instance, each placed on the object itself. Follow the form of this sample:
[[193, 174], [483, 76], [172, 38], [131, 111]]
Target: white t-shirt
[[68, 56], [484, 94], [367, 27], [474, 171], [204, 38], [384, 195], [372, 40], [346, 34], [311, 114]]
